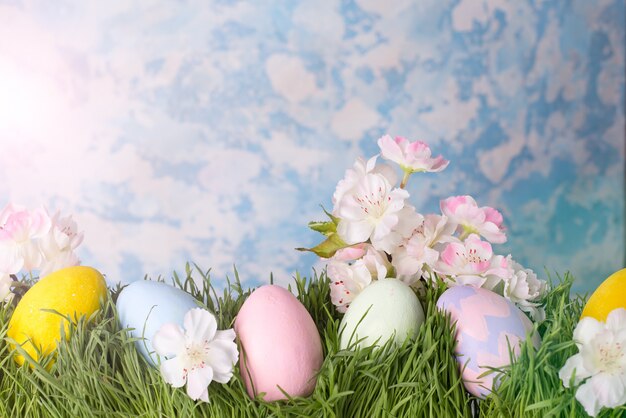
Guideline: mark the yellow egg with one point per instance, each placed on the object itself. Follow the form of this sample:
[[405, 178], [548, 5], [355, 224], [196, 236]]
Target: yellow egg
[[611, 294], [74, 291]]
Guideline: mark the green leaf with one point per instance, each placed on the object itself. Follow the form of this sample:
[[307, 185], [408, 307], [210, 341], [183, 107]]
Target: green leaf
[[327, 228], [330, 215], [328, 248]]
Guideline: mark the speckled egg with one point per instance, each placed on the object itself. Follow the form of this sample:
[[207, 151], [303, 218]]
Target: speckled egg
[[280, 344], [611, 294], [487, 324], [144, 306], [73, 291], [384, 310]]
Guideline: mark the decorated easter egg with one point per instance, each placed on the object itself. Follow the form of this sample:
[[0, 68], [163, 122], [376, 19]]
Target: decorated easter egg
[[386, 309], [611, 294], [487, 324], [281, 347], [75, 291], [144, 306]]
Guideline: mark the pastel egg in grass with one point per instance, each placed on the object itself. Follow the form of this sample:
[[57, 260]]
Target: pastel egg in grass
[[144, 306], [281, 349], [610, 295], [73, 291], [386, 309], [488, 329]]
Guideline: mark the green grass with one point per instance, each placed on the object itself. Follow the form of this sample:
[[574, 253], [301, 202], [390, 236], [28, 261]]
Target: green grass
[[98, 372]]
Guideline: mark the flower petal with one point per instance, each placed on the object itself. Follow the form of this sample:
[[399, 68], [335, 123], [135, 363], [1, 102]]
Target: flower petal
[[11, 260], [573, 365], [616, 320], [200, 325], [173, 372], [608, 388], [588, 399], [390, 150], [227, 334], [355, 232], [198, 381], [169, 340], [222, 356], [205, 395], [587, 329]]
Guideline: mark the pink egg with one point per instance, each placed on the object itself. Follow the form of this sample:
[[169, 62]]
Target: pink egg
[[280, 344]]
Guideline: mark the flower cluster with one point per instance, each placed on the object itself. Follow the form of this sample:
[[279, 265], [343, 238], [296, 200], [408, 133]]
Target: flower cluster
[[374, 233], [33, 240]]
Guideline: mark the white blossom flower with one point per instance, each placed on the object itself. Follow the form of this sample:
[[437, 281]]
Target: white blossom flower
[[58, 245], [600, 363], [408, 222], [418, 255], [196, 355], [369, 210], [355, 175], [348, 280], [524, 289]]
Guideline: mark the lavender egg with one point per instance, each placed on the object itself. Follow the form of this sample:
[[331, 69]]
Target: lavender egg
[[487, 324]]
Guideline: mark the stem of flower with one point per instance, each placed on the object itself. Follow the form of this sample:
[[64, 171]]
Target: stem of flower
[[464, 234], [16, 285], [405, 179]]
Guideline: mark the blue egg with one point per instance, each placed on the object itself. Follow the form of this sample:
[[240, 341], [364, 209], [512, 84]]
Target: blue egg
[[144, 306]]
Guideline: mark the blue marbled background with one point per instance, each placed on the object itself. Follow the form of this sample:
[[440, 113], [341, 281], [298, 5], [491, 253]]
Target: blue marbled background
[[211, 130]]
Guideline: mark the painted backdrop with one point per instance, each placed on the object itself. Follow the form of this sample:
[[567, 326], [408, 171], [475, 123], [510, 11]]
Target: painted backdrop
[[212, 130]]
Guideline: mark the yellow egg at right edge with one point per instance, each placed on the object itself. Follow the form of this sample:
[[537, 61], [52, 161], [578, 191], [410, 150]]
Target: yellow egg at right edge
[[75, 291], [611, 294]]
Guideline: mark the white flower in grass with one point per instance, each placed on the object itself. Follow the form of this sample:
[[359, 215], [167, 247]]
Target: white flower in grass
[[196, 355], [600, 363]]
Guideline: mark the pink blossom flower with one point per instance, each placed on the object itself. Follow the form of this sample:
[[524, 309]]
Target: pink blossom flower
[[411, 156], [369, 210], [484, 221], [472, 262], [19, 232]]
